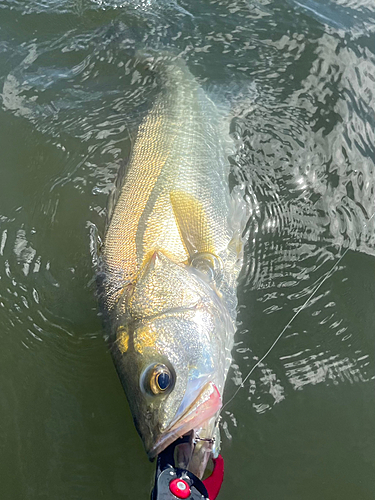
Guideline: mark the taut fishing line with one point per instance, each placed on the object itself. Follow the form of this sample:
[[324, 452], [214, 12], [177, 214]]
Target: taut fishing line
[[300, 309]]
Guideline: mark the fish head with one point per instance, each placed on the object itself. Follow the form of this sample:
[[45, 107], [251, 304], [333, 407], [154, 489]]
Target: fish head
[[170, 353]]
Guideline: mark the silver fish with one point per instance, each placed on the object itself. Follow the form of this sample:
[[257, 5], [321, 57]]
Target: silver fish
[[170, 261]]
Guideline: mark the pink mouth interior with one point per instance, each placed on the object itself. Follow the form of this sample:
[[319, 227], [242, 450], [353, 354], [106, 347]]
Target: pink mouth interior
[[204, 408]]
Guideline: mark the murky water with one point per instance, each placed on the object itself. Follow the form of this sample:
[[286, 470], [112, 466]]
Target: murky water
[[72, 94]]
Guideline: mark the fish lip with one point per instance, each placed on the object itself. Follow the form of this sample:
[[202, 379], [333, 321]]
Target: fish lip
[[209, 401]]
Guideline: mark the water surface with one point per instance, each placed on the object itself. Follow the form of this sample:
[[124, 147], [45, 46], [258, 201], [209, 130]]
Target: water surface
[[301, 78]]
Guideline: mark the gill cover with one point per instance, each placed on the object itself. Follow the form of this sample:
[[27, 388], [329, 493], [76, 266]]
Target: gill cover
[[168, 349]]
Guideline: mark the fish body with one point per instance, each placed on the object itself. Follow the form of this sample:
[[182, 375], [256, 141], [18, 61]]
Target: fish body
[[170, 261]]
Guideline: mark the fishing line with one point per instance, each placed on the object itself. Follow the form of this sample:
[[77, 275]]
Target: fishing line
[[300, 309]]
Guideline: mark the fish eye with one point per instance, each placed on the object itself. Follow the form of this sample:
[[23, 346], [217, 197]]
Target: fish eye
[[160, 379]]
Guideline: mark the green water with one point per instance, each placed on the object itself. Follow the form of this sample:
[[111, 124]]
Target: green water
[[71, 96]]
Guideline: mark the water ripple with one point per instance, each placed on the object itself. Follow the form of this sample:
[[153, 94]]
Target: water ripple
[[72, 94]]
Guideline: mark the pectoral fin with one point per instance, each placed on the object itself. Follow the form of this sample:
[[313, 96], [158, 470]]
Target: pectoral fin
[[192, 223]]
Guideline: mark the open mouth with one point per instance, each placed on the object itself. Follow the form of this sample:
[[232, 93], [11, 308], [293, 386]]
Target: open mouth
[[203, 408]]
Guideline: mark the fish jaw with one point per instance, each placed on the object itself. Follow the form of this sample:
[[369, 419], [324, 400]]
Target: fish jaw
[[206, 405]]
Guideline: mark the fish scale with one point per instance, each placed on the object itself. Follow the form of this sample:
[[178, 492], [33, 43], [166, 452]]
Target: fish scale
[[171, 257], [176, 150]]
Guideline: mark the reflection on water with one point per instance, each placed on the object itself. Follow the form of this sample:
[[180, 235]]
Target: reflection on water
[[72, 93], [312, 182]]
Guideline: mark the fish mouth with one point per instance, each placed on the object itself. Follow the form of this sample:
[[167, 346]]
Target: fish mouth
[[202, 409]]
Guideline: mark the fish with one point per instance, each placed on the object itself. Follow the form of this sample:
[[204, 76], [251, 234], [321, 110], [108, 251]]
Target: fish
[[170, 260]]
